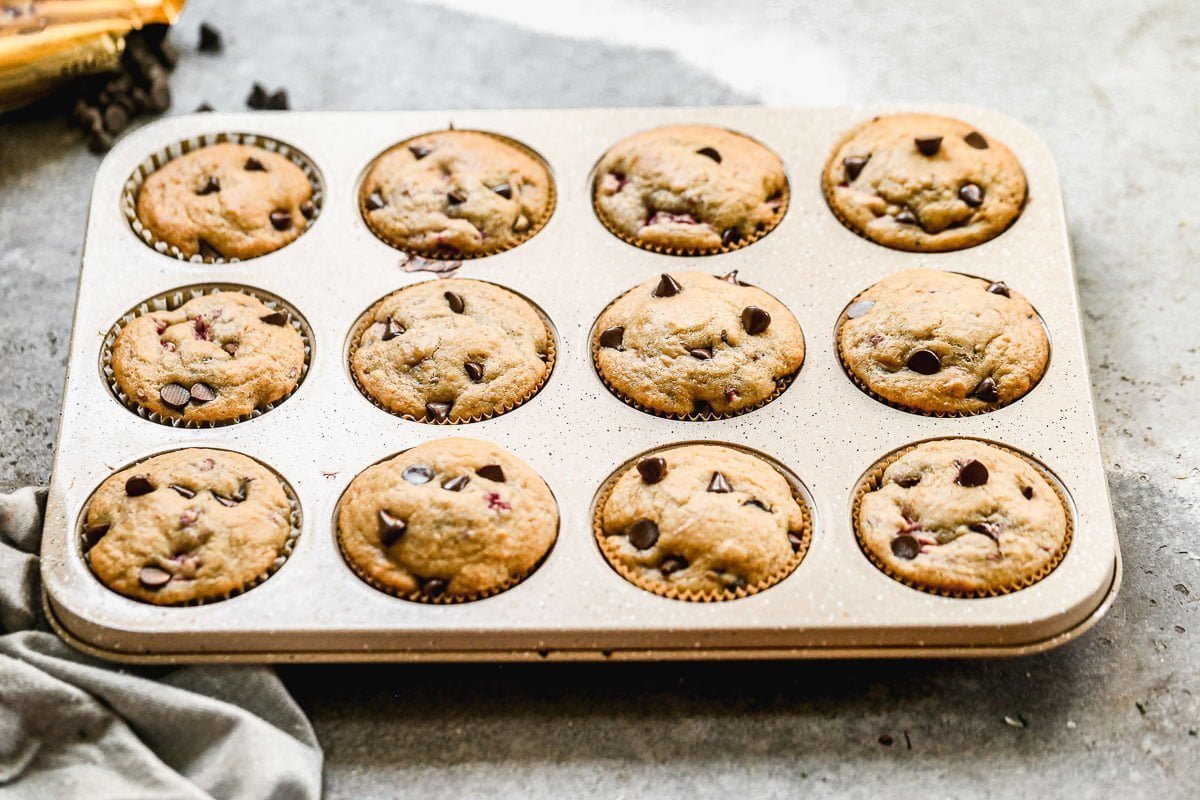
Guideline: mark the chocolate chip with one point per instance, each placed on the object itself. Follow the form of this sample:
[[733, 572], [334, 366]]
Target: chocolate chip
[[100, 140], [730, 236], [719, 485], [308, 209], [759, 504], [457, 304], [232, 500], [258, 98], [456, 484], [203, 393], [643, 534], [702, 353], [854, 166], [138, 485], [731, 277], [434, 587], [210, 186], [417, 474], [159, 94], [207, 250], [456, 197], [116, 117], [437, 411], [182, 491], [701, 408], [230, 347], [710, 153], [1000, 288], [986, 529], [1028, 492], [391, 329], [672, 564], [375, 201], [971, 194], [928, 145], [175, 396], [504, 190], [755, 320], [652, 469], [493, 472], [856, 310], [93, 535], [276, 318], [613, 337], [153, 577], [253, 165], [667, 287], [925, 362], [987, 391], [906, 217], [976, 140], [210, 39], [391, 528], [795, 540], [418, 151], [278, 101], [906, 547], [908, 481], [203, 108], [972, 474], [281, 220], [474, 371]]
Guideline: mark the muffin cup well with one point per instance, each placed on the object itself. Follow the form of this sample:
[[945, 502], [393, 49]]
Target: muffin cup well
[[365, 321], [873, 479], [295, 519], [168, 301], [611, 555], [159, 158], [451, 254]]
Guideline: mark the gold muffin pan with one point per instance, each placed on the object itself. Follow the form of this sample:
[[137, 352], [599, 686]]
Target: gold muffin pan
[[574, 432]]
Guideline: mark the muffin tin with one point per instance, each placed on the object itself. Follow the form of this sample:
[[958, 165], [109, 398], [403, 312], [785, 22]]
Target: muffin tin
[[574, 432]]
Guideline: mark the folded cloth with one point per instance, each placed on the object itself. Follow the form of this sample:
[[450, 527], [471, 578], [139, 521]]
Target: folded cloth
[[74, 726]]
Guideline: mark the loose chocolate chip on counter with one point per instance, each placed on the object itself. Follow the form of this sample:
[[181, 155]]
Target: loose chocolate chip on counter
[[730, 236], [210, 39], [474, 371], [854, 166], [759, 504], [731, 277], [254, 165], [456, 484], [908, 481], [987, 391], [928, 145], [492, 472], [710, 153], [906, 217], [719, 485], [667, 287], [456, 197], [116, 117], [276, 318], [926, 362], [417, 474], [986, 529], [93, 535], [795, 540], [976, 140], [437, 411], [972, 474], [418, 151], [1028, 492], [391, 329], [278, 101], [755, 320], [203, 108], [391, 528], [504, 190], [613, 337], [971, 194], [182, 491], [138, 485], [281, 220], [207, 250], [856, 310], [643, 534], [672, 564], [210, 186], [375, 201], [100, 140], [1000, 288], [701, 353], [434, 587], [308, 209], [159, 94], [258, 97], [456, 302], [652, 469], [906, 547], [153, 577], [203, 393], [175, 395]]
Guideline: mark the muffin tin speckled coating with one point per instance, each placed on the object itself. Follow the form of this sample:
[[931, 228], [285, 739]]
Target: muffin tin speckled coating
[[574, 432]]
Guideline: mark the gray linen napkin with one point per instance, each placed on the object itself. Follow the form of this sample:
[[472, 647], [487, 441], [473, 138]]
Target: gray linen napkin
[[74, 726]]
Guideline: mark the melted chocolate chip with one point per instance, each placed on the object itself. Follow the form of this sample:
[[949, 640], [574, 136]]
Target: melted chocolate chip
[[667, 287], [281, 220], [230, 347], [175, 396], [434, 587], [613, 337], [1000, 288], [908, 481], [254, 165], [755, 320], [926, 362], [719, 485], [93, 535], [418, 151], [906, 547], [391, 329], [854, 166], [730, 236], [417, 474], [976, 140], [232, 500], [474, 371], [391, 528], [492, 472], [437, 411], [276, 318], [182, 491], [702, 353], [643, 534], [928, 145], [457, 304], [308, 209], [672, 564], [856, 310], [972, 474], [456, 197], [906, 217], [210, 186], [504, 190], [987, 391], [206, 250], [710, 153], [153, 578], [971, 194], [1028, 492], [652, 469], [795, 540], [374, 201], [986, 529], [203, 393]]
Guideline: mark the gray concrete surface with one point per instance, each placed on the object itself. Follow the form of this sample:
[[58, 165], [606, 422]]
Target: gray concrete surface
[[1112, 86]]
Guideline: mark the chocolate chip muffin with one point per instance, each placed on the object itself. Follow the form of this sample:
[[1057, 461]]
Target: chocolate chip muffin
[[448, 520], [456, 194], [226, 201], [702, 522], [923, 182], [940, 342], [690, 190], [188, 526], [690, 343], [453, 350], [961, 517], [214, 359]]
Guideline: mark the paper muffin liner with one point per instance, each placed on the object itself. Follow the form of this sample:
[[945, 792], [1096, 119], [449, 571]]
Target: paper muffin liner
[[873, 479], [169, 301], [781, 383], [612, 556], [365, 321], [295, 520], [867, 390], [449, 253], [159, 158]]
